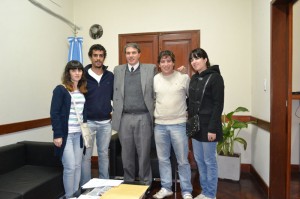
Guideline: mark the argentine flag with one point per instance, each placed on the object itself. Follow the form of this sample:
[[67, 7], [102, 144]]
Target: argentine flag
[[75, 51]]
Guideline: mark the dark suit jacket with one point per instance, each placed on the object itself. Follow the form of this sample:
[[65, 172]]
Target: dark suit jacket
[[147, 73]]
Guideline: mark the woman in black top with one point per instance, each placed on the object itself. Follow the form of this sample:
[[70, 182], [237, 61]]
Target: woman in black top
[[210, 111]]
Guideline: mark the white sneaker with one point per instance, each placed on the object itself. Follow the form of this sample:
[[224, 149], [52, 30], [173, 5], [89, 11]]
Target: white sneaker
[[163, 193], [187, 196], [200, 196]]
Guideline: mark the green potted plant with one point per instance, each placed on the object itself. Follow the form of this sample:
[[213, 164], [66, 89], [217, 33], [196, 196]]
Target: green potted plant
[[229, 162]]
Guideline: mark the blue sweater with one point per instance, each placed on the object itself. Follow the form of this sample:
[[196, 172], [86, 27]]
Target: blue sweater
[[59, 113], [99, 96]]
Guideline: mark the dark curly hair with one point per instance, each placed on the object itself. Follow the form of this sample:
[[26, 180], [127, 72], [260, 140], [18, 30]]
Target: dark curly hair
[[97, 47], [166, 53]]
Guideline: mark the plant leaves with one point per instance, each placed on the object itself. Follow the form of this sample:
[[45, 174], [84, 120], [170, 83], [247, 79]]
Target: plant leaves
[[242, 141], [229, 127], [239, 125], [229, 115], [241, 109]]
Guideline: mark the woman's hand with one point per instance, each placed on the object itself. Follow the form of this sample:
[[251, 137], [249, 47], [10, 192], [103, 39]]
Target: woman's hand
[[57, 142], [211, 137]]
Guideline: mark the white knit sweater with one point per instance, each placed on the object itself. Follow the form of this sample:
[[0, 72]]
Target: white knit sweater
[[170, 98]]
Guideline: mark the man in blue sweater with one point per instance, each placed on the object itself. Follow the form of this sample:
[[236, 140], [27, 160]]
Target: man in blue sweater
[[98, 105]]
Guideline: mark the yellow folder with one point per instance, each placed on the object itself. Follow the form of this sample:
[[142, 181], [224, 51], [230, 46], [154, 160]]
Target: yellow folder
[[126, 191]]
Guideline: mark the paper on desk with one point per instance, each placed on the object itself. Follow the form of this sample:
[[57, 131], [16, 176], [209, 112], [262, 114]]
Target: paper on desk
[[88, 197], [96, 182], [126, 191]]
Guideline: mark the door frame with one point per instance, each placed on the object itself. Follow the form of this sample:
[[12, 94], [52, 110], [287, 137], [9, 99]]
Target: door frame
[[280, 119]]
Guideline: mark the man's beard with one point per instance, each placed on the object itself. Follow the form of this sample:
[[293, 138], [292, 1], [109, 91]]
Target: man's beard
[[97, 66]]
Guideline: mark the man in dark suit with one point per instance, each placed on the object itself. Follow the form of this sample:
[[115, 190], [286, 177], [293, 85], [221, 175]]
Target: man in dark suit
[[133, 107]]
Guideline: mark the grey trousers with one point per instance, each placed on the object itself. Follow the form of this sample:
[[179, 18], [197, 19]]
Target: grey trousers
[[135, 137]]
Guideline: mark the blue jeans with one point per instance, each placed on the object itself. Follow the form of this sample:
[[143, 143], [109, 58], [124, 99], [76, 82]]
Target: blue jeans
[[103, 136], [165, 136], [71, 161], [205, 156]]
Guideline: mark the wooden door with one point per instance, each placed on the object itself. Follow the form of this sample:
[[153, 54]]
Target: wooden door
[[148, 43], [180, 42]]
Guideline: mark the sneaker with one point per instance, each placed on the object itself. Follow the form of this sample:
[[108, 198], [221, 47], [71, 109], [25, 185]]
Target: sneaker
[[209, 198], [163, 193], [187, 196], [201, 196]]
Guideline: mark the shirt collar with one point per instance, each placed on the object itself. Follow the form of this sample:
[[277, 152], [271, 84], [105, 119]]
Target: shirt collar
[[134, 66]]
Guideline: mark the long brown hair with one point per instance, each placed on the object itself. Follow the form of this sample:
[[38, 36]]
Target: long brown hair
[[66, 77]]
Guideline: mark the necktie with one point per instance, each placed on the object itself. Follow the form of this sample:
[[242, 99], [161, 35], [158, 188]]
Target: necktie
[[131, 70]]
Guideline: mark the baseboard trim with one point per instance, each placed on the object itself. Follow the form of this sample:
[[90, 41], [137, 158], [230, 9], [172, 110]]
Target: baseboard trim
[[260, 181], [248, 168], [245, 168], [295, 168]]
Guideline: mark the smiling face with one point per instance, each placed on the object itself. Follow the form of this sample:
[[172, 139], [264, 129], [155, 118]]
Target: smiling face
[[75, 74], [97, 59], [199, 60], [166, 65], [199, 64], [132, 55]]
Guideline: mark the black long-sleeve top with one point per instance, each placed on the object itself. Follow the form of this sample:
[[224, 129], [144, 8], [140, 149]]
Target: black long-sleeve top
[[211, 108]]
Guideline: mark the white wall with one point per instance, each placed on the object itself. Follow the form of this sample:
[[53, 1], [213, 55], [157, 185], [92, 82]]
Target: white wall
[[296, 47], [225, 33], [295, 132], [296, 85], [235, 33], [41, 50], [225, 28], [43, 134], [33, 52], [260, 96]]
